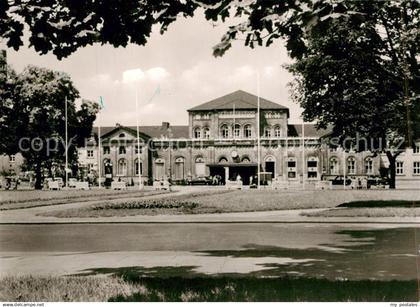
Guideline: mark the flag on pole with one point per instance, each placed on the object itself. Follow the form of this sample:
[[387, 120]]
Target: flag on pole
[[101, 102]]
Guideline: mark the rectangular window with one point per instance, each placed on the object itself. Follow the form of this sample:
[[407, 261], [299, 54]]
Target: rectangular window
[[107, 150], [90, 153], [122, 150], [90, 166], [291, 175], [312, 163], [416, 168], [137, 149], [417, 149], [312, 174], [12, 158], [399, 168], [291, 164]]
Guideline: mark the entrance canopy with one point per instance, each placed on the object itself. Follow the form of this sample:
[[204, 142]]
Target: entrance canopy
[[232, 164]]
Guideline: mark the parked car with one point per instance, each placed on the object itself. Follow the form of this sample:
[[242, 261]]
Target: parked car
[[339, 180], [201, 180], [377, 181]]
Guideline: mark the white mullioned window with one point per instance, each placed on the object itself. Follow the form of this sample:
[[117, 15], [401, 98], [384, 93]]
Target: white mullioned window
[[247, 131], [224, 131], [12, 158], [334, 166], [197, 133], [90, 153], [277, 131], [267, 132], [206, 133], [237, 131], [416, 168], [399, 169], [417, 149], [351, 166], [369, 166]]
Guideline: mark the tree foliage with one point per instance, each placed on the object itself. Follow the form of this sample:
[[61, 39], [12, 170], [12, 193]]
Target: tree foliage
[[34, 118]]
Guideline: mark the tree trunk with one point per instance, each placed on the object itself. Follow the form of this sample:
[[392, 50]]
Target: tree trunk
[[38, 177], [392, 169]]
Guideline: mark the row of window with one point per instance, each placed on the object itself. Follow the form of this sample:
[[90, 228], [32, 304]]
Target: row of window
[[226, 131], [400, 168], [107, 150], [351, 166]]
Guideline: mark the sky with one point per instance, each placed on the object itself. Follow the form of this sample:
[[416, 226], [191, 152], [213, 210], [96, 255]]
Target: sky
[[171, 73]]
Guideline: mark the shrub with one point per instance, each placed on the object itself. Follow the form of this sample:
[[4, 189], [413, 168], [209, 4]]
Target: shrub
[[148, 204]]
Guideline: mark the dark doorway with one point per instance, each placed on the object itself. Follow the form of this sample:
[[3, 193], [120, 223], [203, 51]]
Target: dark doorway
[[270, 167], [246, 172]]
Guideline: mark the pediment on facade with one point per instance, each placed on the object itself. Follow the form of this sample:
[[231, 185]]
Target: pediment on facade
[[124, 134]]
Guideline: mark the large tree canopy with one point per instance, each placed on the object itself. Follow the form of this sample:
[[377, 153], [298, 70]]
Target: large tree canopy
[[33, 118]]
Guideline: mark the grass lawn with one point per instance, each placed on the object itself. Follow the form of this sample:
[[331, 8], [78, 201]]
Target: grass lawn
[[10, 200], [203, 289], [224, 201], [372, 208]]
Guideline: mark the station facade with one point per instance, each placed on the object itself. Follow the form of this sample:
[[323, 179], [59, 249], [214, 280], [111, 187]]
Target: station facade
[[221, 139]]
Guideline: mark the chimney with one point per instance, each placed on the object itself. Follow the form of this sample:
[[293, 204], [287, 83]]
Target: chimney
[[165, 125]]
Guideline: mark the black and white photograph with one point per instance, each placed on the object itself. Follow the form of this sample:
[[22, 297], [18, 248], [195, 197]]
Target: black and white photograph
[[202, 151]]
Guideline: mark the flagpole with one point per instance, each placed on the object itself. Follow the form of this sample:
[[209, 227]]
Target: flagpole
[[99, 151], [258, 131], [138, 140], [303, 154], [67, 154]]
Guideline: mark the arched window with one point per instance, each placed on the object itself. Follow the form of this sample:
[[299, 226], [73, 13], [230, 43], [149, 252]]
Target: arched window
[[247, 131], [223, 160], [267, 132], [197, 133], [334, 166], [277, 131], [122, 167], [245, 159], [200, 167], [351, 166], [224, 131], [136, 167], [122, 150], [179, 168], [369, 166], [237, 131], [206, 133]]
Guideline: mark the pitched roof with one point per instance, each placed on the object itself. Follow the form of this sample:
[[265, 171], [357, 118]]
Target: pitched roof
[[295, 130], [177, 132], [240, 100]]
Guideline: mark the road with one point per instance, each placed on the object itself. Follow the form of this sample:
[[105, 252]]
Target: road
[[260, 249]]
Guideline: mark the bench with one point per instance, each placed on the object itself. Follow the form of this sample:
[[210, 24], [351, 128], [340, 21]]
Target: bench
[[159, 185], [234, 184], [119, 185], [324, 185], [83, 185], [53, 185]]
